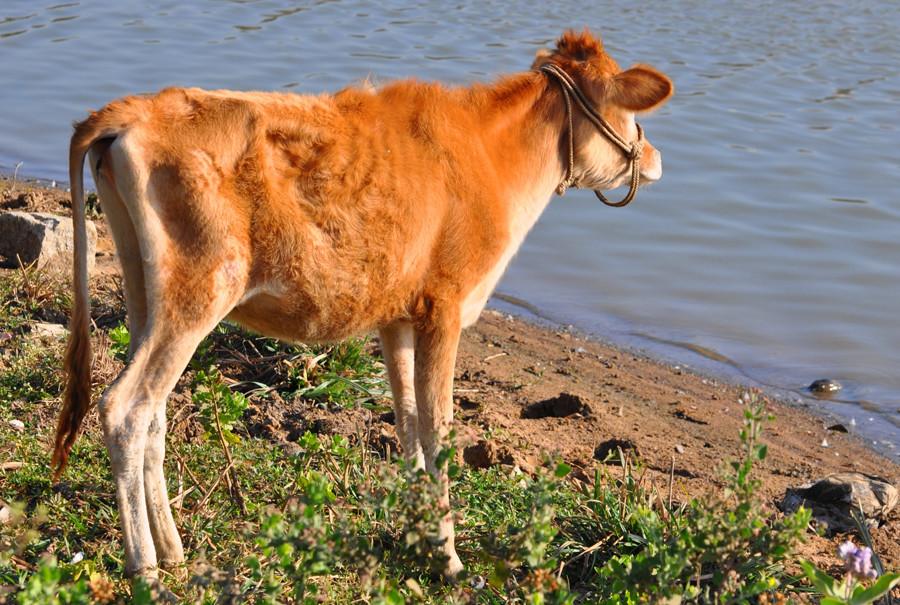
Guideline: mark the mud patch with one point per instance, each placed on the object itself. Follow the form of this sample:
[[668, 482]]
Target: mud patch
[[561, 406], [485, 454], [611, 451]]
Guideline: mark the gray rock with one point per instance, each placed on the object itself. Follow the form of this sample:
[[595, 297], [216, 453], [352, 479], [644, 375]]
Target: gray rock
[[49, 330], [833, 498], [41, 237]]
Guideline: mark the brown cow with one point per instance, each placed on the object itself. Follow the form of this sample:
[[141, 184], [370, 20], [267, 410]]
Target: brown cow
[[316, 218]]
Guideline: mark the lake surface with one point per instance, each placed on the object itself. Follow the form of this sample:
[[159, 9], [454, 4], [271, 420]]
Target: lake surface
[[770, 250]]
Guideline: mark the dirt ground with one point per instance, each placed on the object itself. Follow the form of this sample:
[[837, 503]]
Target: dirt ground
[[506, 366], [524, 390]]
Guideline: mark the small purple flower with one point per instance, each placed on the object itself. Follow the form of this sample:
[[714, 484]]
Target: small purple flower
[[857, 561]]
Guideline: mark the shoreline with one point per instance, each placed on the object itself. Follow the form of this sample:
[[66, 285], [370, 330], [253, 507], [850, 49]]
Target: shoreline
[[512, 374], [710, 365]]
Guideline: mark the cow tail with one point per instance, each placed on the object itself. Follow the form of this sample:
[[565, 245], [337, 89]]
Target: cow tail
[[77, 396]]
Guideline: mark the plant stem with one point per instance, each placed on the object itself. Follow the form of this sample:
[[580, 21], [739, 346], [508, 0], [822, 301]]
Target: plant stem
[[234, 486]]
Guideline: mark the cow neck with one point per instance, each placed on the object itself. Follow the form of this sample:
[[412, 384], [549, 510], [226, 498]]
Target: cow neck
[[524, 123]]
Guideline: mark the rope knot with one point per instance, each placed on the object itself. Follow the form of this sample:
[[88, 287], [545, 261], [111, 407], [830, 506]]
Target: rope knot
[[637, 148]]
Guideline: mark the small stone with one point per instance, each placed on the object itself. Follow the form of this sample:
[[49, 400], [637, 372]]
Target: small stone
[[682, 414], [415, 588], [5, 515], [824, 387], [679, 448], [824, 443], [838, 428], [49, 330], [291, 448], [17, 425]]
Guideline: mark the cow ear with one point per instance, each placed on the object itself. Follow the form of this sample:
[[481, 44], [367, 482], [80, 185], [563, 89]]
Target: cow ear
[[640, 88], [542, 56]]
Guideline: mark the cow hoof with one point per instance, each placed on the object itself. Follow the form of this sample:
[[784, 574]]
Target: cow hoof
[[148, 584], [453, 568], [177, 570], [147, 574]]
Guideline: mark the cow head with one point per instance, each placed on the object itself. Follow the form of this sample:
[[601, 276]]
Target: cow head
[[617, 96]]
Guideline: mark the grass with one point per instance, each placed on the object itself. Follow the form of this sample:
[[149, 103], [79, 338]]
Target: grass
[[331, 518]]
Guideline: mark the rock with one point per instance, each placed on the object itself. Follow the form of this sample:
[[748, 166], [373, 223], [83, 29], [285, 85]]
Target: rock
[[833, 498], [564, 404], [49, 330], [5, 515], [608, 451], [386, 441], [468, 404], [41, 237], [477, 582], [838, 428], [17, 425], [824, 387], [485, 455], [682, 414]]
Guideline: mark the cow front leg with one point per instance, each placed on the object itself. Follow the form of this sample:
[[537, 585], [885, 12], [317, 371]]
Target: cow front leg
[[398, 344], [437, 340]]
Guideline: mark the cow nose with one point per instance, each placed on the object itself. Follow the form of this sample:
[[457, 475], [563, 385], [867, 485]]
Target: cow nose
[[651, 165]]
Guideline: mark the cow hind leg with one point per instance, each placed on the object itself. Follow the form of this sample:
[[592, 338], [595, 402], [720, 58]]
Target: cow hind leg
[[169, 550], [133, 417], [398, 344], [132, 412], [125, 238]]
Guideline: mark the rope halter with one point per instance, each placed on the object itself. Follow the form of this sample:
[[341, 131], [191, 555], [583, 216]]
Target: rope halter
[[631, 150]]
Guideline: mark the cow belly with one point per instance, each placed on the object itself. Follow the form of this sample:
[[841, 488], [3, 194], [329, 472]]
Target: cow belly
[[292, 320]]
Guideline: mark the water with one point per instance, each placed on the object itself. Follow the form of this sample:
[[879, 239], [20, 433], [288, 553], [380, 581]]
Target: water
[[770, 249]]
